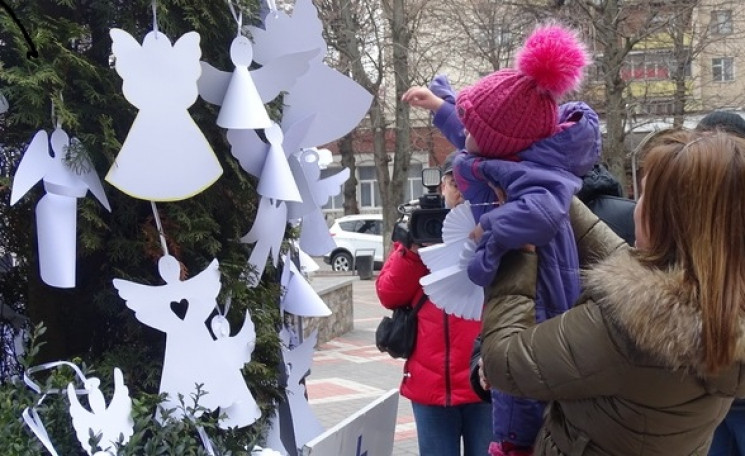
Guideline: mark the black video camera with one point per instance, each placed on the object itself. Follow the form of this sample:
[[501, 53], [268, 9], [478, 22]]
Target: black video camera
[[421, 221]]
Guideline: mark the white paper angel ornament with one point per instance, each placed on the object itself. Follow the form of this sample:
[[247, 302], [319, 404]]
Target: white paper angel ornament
[[315, 192], [447, 284], [56, 211], [297, 364], [299, 297], [337, 101], [112, 422], [192, 355], [241, 94], [165, 156]]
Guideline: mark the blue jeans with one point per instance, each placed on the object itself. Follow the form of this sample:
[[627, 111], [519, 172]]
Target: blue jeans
[[439, 429], [729, 436]]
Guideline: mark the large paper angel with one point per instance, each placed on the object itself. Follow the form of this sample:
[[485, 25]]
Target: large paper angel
[[447, 284], [337, 101], [112, 422], [56, 211], [165, 156], [193, 356], [241, 94]]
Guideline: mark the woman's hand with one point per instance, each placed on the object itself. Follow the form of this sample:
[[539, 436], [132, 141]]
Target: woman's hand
[[477, 233], [482, 377]]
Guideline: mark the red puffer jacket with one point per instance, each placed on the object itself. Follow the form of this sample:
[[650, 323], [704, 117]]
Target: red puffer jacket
[[437, 372]]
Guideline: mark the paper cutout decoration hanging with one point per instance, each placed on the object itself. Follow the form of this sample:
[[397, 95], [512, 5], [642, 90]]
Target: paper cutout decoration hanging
[[299, 297], [297, 363], [165, 156], [241, 94], [267, 233], [268, 162], [315, 192], [338, 102], [251, 153], [447, 284], [4, 106], [192, 355], [269, 224], [56, 211], [112, 422]]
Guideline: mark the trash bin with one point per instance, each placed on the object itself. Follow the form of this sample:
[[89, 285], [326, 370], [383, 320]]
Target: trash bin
[[364, 265]]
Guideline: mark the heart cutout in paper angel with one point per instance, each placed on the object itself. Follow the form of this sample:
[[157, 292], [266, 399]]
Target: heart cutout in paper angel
[[447, 284]]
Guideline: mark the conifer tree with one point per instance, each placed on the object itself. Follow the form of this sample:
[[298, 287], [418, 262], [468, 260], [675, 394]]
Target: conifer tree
[[73, 76]]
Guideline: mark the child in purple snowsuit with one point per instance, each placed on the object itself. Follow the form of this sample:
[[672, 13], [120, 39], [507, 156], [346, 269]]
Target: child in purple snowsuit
[[523, 147]]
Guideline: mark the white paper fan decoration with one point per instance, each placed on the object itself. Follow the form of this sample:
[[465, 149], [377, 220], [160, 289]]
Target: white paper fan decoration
[[447, 284]]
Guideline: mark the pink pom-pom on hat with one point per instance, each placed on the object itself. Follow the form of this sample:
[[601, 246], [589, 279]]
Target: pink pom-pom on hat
[[510, 109]]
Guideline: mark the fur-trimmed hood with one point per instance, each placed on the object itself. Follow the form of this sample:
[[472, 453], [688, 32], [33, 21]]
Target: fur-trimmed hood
[[658, 310]]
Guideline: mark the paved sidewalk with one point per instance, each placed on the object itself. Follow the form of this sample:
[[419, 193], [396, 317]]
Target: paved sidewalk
[[349, 372]]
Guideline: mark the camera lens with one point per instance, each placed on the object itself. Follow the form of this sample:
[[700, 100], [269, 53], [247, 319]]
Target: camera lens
[[433, 228]]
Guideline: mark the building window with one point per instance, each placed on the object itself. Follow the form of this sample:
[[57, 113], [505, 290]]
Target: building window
[[334, 202], [722, 69], [646, 66], [721, 22], [369, 188], [413, 187]]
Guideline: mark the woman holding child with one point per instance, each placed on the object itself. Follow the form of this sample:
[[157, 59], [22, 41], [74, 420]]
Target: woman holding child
[[651, 356]]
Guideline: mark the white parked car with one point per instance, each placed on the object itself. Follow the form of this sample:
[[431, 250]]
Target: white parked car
[[356, 235]]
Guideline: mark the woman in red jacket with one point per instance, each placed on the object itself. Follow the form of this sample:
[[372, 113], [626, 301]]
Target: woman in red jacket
[[436, 375]]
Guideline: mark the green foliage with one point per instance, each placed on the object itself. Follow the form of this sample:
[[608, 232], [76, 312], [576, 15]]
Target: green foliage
[[73, 78]]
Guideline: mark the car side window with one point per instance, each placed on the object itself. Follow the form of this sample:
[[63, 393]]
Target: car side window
[[367, 227], [377, 227], [348, 226]]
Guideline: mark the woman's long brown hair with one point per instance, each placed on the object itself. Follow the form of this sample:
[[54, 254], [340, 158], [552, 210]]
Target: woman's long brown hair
[[694, 208]]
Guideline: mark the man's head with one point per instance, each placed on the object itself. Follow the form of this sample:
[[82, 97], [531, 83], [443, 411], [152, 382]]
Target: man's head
[[723, 120], [449, 188]]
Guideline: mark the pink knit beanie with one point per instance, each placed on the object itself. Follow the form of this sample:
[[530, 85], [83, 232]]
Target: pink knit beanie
[[510, 109]]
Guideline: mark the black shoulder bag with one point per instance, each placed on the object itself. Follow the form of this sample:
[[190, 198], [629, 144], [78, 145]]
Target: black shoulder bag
[[396, 335]]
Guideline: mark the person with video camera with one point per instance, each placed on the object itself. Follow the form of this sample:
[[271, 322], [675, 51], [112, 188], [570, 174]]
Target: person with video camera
[[447, 412]]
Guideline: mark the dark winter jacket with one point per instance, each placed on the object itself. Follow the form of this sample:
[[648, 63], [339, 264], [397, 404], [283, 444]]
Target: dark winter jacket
[[622, 369], [603, 195], [437, 371]]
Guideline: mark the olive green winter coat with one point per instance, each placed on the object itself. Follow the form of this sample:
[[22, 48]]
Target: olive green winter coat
[[622, 370]]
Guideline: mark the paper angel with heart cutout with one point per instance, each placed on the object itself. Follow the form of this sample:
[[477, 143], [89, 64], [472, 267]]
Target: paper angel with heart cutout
[[56, 211], [447, 284], [337, 101], [241, 94], [193, 356], [112, 422], [165, 156]]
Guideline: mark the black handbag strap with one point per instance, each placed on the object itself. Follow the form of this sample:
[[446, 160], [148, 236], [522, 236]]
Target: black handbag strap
[[420, 303]]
